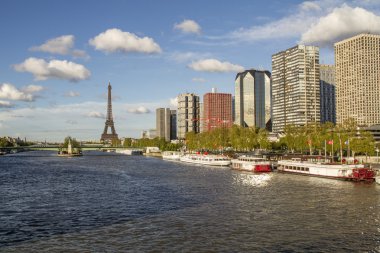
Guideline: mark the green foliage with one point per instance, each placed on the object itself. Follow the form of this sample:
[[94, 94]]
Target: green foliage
[[74, 142], [314, 136], [5, 143], [156, 142], [236, 137]]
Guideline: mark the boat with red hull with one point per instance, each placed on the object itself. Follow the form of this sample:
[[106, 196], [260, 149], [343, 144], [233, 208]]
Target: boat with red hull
[[352, 172], [252, 164]]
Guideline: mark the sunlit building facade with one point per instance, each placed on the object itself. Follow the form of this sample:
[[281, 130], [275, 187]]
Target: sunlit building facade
[[295, 87], [188, 114], [357, 73], [217, 110]]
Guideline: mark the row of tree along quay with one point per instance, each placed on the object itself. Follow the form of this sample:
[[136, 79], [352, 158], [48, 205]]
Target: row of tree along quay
[[342, 140]]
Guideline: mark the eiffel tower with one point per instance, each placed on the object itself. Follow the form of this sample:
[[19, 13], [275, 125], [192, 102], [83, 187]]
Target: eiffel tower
[[109, 121]]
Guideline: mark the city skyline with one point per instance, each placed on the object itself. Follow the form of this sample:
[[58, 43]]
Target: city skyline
[[57, 59]]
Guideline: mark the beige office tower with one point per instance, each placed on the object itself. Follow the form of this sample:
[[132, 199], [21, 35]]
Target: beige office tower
[[295, 87], [188, 115], [357, 76]]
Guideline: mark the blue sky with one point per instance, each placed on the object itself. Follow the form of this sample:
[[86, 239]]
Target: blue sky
[[57, 57]]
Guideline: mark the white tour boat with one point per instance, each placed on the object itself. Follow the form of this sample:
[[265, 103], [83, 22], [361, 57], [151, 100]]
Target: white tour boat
[[354, 172], [250, 163], [212, 160], [171, 155]]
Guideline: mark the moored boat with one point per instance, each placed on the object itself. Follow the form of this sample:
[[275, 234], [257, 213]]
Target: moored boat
[[212, 160], [171, 155], [353, 172], [253, 164]]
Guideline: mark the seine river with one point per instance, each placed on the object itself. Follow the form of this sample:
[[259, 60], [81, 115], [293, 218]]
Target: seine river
[[105, 202]]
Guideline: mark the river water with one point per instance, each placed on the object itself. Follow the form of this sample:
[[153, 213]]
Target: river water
[[105, 202]]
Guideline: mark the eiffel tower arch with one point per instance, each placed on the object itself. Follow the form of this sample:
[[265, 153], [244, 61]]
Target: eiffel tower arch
[[108, 137]]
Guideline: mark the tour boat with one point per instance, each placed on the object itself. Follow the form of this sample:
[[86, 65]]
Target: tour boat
[[253, 164], [171, 155], [354, 172], [212, 160]]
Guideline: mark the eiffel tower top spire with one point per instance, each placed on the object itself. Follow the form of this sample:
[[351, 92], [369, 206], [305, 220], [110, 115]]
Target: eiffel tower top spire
[[109, 120]]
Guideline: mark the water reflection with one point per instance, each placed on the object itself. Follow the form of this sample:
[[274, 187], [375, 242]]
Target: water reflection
[[251, 179]]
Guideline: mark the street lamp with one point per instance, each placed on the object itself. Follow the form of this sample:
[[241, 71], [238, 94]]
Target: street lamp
[[377, 152]]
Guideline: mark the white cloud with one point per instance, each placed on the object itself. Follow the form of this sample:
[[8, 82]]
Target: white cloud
[[60, 45], [174, 102], [71, 122], [188, 26], [213, 65], [188, 56], [290, 26], [198, 80], [95, 114], [43, 70], [32, 88], [139, 110], [76, 53], [115, 40], [72, 94], [5, 104], [10, 92], [341, 23], [310, 6]]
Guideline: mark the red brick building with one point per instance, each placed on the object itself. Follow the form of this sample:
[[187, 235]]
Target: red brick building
[[217, 110]]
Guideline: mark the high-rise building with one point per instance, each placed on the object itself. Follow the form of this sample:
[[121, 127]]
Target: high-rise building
[[217, 110], [253, 99], [295, 87], [188, 116], [357, 78], [327, 86], [201, 122], [163, 123], [173, 124]]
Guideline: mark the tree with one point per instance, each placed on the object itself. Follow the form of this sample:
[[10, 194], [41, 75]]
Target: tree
[[74, 142]]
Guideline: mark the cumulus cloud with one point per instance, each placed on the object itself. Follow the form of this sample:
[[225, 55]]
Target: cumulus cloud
[[32, 88], [72, 94], [188, 26], [198, 80], [95, 114], [116, 40], [5, 104], [341, 23], [139, 110], [43, 70], [10, 92], [60, 45], [213, 65]]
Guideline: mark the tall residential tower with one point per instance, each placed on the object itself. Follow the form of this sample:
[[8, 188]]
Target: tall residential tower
[[295, 87]]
